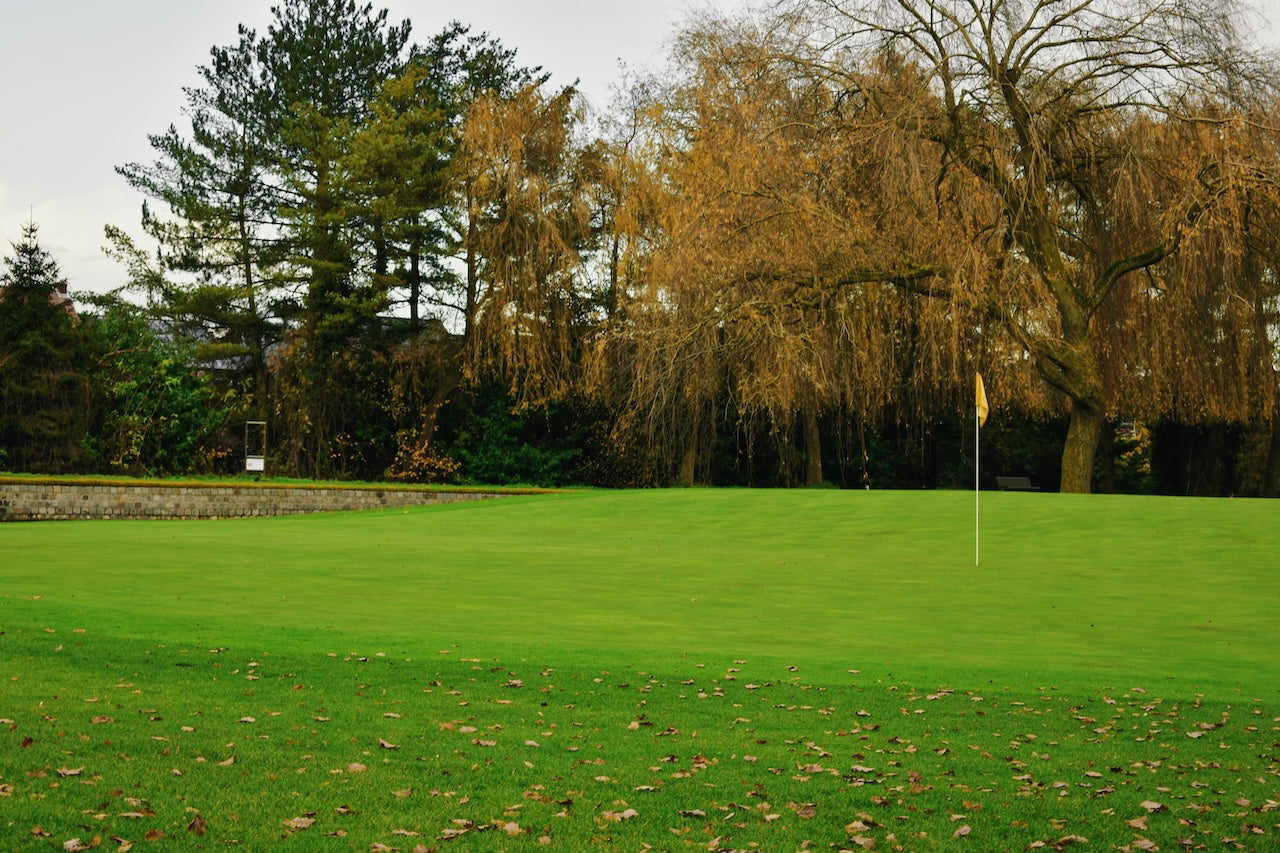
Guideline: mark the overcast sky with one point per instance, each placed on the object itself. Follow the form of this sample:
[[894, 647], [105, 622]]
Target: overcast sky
[[83, 82]]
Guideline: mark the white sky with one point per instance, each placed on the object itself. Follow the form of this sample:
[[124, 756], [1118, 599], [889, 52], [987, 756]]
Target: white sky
[[83, 82]]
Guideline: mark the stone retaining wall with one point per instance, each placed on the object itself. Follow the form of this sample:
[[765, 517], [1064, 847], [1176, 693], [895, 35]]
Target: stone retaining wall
[[62, 501]]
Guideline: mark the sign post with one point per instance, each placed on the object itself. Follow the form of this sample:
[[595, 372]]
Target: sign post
[[255, 446]]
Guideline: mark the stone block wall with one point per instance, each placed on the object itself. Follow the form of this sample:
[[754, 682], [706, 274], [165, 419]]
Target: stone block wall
[[35, 500]]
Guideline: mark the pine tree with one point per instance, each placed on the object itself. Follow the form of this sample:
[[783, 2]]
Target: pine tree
[[45, 394]]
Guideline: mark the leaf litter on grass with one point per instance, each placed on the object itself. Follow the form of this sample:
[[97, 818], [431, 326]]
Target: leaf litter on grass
[[384, 751]]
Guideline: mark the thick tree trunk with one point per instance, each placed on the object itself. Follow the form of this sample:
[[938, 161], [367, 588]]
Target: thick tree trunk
[[1072, 369], [689, 465], [1081, 449]]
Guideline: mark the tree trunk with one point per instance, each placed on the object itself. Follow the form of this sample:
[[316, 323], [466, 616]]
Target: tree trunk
[[415, 277], [689, 464], [1068, 364], [812, 447], [1271, 485], [1081, 449]]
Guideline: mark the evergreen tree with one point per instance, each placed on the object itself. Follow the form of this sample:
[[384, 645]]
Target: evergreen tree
[[218, 274], [45, 394]]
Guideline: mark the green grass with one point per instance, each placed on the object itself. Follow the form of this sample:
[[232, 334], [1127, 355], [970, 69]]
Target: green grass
[[684, 669]]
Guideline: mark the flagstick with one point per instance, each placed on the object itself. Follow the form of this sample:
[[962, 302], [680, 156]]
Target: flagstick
[[977, 444]]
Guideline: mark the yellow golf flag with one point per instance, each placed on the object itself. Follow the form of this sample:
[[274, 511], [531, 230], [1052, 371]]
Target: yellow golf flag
[[980, 397]]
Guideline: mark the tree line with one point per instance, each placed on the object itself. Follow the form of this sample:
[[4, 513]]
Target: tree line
[[780, 261]]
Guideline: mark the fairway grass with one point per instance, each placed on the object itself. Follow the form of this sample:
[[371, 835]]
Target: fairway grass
[[683, 669]]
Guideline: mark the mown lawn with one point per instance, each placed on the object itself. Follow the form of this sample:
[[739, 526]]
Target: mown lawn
[[688, 669]]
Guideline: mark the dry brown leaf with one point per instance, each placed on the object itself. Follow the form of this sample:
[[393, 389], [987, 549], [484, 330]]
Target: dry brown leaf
[[804, 810]]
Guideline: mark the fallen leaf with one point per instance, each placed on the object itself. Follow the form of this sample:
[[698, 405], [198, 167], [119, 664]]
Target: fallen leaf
[[387, 745], [64, 772], [198, 825], [1152, 806], [962, 831], [804, 810], [299, 822], [628, 814]]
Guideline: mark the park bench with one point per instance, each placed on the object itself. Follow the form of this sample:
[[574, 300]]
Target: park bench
[[1015, 484]]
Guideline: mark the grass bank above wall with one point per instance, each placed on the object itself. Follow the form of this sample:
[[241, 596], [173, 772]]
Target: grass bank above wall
[[249, 482]]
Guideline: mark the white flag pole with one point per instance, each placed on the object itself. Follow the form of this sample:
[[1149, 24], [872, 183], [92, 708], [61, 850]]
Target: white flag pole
[[977, 491]]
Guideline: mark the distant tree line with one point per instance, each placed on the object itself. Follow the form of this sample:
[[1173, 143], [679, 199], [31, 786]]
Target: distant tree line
[[780, 262]]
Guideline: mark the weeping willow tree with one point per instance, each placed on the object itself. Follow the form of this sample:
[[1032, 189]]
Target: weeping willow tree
[[525, 220], [862, 203], [1101, 135], [795, 246]]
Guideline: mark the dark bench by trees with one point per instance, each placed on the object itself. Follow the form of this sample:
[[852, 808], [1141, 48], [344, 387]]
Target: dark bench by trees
[[1015, 484]]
